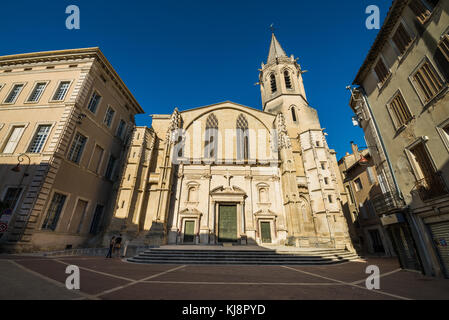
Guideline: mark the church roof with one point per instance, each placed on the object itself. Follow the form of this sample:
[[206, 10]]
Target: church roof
[[276, 50]]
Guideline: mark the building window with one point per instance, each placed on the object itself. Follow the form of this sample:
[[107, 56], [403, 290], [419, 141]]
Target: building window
[[429, 183], [381, 71], [326, 181], [263, 195], [94, 101], [54, 212], [37, 92], [402, 39], [288, 82], [77, 148], [39, 138], [80, 211], [444, 46], [273, 84], [110, 168], [96, 221], [351, 197], [323, 165], [61, 91], [211, 137], [371, 175], [242, 138], [121, 129], [11, 98], [446, 131], [358, 184], [97, 156], [294, 114], [330, 198], [109, 116], [11, 198], [179, 146], [13, 140], [427, 82], [423, 8], [400, 111], [193, 194]]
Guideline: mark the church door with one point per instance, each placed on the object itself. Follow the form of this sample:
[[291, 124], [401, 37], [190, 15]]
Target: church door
[[265, 230], [189, 232], [227, 223]]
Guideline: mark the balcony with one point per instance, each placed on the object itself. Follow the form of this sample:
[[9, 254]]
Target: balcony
[[431, 187], [387, 202]]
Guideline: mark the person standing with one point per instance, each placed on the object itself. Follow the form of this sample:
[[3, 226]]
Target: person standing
[[111, 247], [118, 244]]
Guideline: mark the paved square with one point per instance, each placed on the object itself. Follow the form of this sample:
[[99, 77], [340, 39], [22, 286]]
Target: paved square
[[25, 277]]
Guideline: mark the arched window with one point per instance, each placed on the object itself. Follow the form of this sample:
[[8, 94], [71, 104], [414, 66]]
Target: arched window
[[288, 82], [180, 147], [178, 150], [293, 114], [211, 138], [242, 138], [273, 84], [193, 194], [263, 195]]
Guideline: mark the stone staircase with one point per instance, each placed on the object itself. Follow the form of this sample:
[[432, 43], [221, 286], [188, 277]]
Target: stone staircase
[[245, 256]]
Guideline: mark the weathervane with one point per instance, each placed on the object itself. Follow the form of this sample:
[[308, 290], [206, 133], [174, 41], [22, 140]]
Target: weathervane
[[272, 28]]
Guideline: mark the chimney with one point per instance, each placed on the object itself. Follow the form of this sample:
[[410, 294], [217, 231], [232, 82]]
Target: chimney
[[355, 150]]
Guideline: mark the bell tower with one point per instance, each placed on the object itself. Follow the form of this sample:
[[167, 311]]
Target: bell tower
[[309, 171]]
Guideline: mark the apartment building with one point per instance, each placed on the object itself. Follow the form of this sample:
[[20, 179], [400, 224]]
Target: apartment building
[[65, 117], [402, 104], [362, 189]]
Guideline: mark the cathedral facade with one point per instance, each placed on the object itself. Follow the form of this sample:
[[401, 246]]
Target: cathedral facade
[[227, 173]]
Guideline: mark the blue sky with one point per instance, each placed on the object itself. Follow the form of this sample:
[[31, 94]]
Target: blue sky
[[193, 53]]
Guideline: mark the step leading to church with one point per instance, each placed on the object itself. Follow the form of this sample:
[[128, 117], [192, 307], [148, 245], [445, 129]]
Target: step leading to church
[[208, 256]]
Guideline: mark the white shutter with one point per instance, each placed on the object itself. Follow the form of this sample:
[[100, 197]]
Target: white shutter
[[383, 182], [13, 140], [371, 178]]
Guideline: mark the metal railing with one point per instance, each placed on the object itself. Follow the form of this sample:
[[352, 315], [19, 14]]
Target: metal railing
[[431, 187], [387, 202]]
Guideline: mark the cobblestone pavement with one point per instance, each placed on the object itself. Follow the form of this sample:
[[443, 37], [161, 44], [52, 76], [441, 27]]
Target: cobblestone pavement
[[25, 277]]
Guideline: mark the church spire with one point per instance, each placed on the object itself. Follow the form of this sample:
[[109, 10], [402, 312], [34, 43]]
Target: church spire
[[276, 50]]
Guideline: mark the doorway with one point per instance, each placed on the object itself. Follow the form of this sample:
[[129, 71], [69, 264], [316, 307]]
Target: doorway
[[189, 232], [227, 224], [265, 230]]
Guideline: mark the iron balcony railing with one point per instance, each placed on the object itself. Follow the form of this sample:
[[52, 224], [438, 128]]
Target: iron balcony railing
[[431, 187], [387, 202]]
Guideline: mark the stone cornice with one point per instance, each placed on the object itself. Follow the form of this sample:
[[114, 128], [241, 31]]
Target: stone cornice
[[71, 55]]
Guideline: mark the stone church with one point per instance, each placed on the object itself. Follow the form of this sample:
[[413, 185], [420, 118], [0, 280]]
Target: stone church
[[228, 173]]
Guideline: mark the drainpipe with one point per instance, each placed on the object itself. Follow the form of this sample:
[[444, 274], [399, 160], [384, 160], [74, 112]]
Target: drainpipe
[[384, 149], [415, 225]]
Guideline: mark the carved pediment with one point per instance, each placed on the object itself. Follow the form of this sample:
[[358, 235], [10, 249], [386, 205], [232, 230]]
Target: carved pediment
[[266, 213], [190, 212], [233, 190]]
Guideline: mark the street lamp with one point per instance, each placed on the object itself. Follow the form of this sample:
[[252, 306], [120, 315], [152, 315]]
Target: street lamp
[[21, 158]]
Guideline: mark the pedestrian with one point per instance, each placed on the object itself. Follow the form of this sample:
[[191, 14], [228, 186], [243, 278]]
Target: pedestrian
[[125, 249], [118, 244], [111, 247]]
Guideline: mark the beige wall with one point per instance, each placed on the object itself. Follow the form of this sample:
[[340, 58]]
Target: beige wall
[[78, 181]]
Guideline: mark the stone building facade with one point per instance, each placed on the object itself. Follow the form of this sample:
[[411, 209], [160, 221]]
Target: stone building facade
[[402, 105], [65, 117], [363, 190], [227, 173]]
